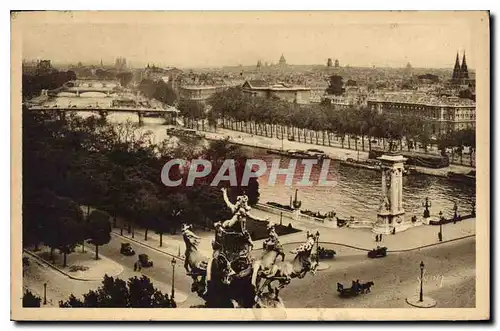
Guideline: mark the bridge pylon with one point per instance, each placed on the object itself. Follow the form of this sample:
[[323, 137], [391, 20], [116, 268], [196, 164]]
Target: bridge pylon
[[141, 117]]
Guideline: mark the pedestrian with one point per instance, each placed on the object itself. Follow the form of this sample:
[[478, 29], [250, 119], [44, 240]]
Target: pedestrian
[[380, 237], [376, 238], [135, 266]]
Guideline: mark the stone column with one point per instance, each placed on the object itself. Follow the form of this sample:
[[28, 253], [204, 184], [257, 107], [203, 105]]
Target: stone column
[[394, 191]]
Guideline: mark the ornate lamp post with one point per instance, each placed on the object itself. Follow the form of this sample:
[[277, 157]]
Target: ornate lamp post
[[317, 247], [441, 225], [44, 293], [174, 261], [427, 204], [455, 210], [418, 300], [422, 266]]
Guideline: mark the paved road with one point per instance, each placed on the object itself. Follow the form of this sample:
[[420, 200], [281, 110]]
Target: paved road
[[160, 272], [60, 286], [449, 278]]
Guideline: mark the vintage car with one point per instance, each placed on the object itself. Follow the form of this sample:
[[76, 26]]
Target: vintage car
[[377, 252], [126, 249], [144, 261], [324, 253]]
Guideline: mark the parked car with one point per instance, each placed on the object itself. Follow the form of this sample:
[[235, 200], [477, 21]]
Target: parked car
[[126, 249], [377, 252], [324, 253], [144, 261]]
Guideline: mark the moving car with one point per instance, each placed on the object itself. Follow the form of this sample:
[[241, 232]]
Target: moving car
[[127, 250], [377, 252], [144, 261]]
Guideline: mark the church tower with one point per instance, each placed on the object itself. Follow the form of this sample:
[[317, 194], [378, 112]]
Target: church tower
[[456, 70], [282, 61], [464, 72]]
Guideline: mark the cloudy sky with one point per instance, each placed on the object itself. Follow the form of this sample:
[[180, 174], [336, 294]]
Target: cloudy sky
[[212, 39]]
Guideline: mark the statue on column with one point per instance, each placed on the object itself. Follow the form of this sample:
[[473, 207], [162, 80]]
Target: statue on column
[[241, 211]]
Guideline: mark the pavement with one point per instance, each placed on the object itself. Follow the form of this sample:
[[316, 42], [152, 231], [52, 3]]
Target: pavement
[[364, 239], [92, 269], [60, 285]]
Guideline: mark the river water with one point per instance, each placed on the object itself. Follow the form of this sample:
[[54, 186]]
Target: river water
[[356, 191]]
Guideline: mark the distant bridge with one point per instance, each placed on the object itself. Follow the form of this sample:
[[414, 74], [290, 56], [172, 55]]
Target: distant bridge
[[77, 87], [105, 110]]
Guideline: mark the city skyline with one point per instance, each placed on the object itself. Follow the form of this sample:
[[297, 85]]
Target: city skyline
[[199, 40]]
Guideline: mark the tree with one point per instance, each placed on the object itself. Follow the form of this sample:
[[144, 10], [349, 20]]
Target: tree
[[98, 229], [158, 90], [125, 78], [192, 110], [64, 227], [335, 85], [162, 222], [30, 300], [116, 293], [165, 93]]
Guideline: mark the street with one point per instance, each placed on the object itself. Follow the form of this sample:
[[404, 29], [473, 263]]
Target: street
[[449, 278]]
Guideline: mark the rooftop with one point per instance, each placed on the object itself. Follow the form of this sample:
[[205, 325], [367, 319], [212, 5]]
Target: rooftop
[[423, 100]]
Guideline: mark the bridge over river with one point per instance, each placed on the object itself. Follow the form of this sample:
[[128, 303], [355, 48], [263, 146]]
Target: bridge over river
[[77, 87], [103, 111]]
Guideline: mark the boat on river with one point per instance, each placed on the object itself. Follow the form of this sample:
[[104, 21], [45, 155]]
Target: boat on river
[[181, 132], [375, 165], [300, 154], [468, 178], [365, 164]]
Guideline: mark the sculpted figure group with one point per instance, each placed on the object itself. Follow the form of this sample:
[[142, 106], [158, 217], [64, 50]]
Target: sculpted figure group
[[231, 276]]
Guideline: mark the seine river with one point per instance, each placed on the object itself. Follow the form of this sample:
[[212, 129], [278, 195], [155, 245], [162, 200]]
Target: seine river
[[356, 192]]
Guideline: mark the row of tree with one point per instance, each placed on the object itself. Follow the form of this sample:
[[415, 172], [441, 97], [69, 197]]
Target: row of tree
[[159, 90], [73, 162], [273, 117], [59, 223]]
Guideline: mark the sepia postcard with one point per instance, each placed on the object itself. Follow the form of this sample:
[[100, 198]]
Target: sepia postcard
[[252, 165]]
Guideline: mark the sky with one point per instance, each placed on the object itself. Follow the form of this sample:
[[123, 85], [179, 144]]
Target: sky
[[203, 39]]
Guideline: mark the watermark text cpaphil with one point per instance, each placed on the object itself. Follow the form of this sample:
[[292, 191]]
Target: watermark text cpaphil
[[253, 168]]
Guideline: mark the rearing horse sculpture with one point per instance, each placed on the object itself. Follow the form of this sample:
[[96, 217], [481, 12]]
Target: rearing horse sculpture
[[272, 249], [195, 263], [285, 271]]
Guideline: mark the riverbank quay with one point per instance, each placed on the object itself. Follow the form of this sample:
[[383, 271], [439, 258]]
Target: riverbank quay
[[361, 238], [335, 153], [358, 238]]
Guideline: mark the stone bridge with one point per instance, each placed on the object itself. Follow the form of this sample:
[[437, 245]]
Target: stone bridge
[[77, 87], [103, 111]]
